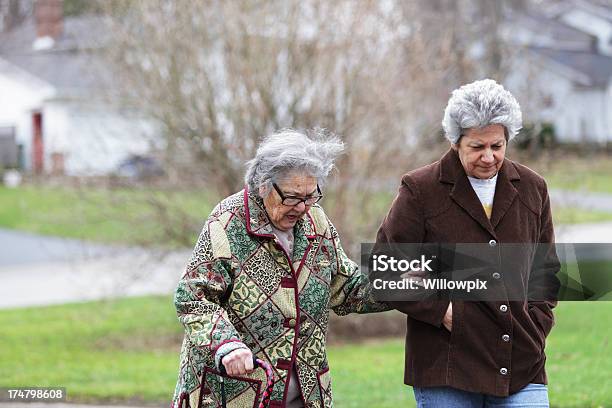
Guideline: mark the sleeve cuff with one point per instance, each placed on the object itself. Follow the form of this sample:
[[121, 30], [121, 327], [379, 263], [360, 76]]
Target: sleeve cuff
[[227, 348]]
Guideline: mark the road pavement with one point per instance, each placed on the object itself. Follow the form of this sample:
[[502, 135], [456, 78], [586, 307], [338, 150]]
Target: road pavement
[[582, 199], [36, 271]]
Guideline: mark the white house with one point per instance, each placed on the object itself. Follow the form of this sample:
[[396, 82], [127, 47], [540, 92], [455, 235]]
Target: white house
[[594, 19], [52, 100], [562, 72]]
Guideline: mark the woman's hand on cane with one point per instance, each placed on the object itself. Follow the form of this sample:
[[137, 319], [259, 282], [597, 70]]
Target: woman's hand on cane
[[238, 362]]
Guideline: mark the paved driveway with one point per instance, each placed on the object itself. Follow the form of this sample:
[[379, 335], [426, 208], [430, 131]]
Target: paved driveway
[[37, 270], [20, 248], [582, 199]]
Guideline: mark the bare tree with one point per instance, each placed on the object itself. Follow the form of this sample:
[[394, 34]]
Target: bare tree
[[219, 75]]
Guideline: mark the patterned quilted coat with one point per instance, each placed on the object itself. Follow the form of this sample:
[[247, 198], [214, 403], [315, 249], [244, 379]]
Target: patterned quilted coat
[[239, 285]]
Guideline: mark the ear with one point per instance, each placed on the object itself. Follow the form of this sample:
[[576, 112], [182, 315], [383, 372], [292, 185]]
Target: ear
[[263, 191], [455, 146]]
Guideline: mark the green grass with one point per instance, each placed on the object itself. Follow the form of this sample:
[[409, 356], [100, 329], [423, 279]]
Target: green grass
[[127, 350], [109, 216], [170, 219], [578, 350], [572, 215], [115, 350], [593, 174], [370, 375]]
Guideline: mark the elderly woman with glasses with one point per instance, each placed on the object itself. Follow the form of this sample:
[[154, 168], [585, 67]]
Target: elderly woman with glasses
[[265, 271], [479, 353]]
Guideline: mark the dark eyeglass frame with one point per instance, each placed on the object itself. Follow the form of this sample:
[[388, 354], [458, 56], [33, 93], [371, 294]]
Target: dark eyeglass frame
[[305, 200]]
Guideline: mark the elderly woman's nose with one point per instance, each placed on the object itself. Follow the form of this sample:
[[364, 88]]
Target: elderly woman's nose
[[301, 206], [487, 156]]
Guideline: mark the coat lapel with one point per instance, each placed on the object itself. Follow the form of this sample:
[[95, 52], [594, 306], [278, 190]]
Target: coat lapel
[[257, 221], [451, 171], [304, 234], [505, 192]]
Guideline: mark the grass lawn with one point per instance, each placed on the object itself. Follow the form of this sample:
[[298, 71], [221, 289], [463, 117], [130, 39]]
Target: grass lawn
[[127, 350], [112, 216], [173, 219], [593, 174], [571, 215]]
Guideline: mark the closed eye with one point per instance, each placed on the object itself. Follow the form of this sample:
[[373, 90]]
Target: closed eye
[[482, 146], [299, 198]]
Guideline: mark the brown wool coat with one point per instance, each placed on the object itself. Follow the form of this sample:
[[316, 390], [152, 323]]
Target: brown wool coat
[[436, 204]]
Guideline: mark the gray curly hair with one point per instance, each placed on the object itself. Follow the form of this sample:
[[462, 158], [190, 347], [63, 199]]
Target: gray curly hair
[[480, 104], [313, 152]]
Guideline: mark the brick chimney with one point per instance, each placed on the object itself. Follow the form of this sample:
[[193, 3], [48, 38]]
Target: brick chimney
[[49, 15]]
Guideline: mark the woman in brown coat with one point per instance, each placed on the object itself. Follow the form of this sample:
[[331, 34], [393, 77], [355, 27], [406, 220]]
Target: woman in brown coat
[[487, 353]]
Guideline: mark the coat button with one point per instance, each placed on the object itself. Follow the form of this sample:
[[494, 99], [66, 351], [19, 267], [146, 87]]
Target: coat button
[[492, 242], [292, 323], [506, 338], [496, 275], [503, 308], [503, 371]]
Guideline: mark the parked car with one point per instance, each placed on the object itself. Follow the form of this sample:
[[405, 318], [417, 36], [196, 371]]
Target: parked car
[[138, 167]]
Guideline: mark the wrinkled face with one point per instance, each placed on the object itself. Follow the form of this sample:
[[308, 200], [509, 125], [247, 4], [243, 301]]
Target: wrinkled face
[[482, 151], [294, 184]]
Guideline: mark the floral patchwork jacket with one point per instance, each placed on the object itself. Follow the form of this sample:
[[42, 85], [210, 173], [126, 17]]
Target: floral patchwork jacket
[[241, 287]]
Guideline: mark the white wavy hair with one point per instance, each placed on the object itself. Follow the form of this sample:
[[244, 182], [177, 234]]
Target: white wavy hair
[[312, 152], [480, 104]]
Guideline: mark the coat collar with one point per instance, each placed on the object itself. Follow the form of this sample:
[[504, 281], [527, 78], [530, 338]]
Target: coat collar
[[452, 172], [258, 223]]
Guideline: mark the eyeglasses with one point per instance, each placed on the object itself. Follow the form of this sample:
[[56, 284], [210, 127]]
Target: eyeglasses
[[292, 201]]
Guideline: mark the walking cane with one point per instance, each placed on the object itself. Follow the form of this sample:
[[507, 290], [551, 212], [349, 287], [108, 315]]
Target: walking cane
[[265, 398]]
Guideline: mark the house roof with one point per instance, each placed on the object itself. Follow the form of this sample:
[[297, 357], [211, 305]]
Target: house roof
[[600, 8], [596, 67], [71, 65], [67, 72], [547, 32]]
